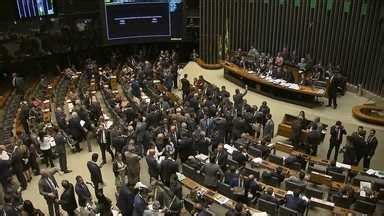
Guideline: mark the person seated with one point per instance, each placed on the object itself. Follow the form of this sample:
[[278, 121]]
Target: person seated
[[232, 177], [265, 150], [333, 168], [199, 210], [238, 211], [296, 202], [278, 173], [346, 192], [296, 158], [252, 188], [240, 156], [269, 196], [299, 179]]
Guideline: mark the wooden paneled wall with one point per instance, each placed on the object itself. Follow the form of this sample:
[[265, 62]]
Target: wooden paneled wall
[[347, 36]]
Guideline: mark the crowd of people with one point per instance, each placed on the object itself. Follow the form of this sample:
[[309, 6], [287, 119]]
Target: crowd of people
[[149, 124]]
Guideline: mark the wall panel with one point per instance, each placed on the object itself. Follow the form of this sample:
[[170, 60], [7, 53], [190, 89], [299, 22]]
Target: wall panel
[[349, 39]]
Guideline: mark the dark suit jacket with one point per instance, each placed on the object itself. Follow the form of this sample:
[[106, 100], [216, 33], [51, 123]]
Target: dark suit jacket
[[95, 172], [139, 206], [335, 133], [68, 200], [168, 167], [83, 194], [125, 201], [295, 203], [75, 129], [45, 188], [221, 158], [371, 146], [153, 167], [60, 143]]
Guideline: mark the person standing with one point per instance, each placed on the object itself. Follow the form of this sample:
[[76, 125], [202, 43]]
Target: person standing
[[238, 99], [125, 199], [268, 131], [133, 165], [212, 173], [102, 139], [119, 170], [371, 148], [48, 189], [337, 132], [95, 172], [332, 92], [61, 141], [67, 198], [83, 194], [185, 86]]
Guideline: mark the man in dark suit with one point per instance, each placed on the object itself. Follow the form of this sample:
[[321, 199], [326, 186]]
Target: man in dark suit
[[133, 165], [17, 167], [103, 135], [212, 172], [76, 130], [238, 99], [371, 148], [125, 199], [83, 194], [61, 119], [332, 92], [95, 172], [185, 86], [297, 126], [313, 140], [269, 196], [61, 141], [153, 166], [48, 189], [359, 144], [168, 167], [67, 198], [295, 202], [337, 132], [221, 157]]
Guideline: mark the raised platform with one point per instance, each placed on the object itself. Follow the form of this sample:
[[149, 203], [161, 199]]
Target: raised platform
[[369, 113], [305, 96]]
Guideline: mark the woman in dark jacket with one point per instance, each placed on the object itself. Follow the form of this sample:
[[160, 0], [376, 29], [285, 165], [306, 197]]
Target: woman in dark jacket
[[67, 198]]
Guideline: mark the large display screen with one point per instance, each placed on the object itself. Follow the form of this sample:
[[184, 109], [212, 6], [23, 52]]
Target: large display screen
[[35, 8], [130, 19]]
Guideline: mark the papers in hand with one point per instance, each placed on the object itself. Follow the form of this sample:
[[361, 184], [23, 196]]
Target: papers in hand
[[180, 176], [257, 160], [342, 165], [230, 149], [82, 123]]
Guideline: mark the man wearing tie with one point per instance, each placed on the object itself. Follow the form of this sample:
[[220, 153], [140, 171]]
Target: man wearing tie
[[48, 189], [221, 157], [102, 135], [337, 132], [371, 148]]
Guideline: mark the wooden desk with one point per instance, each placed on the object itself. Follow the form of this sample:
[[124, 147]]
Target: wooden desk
[[212, 195], [369, 113], [305, 95], [285, 127], [204, 65], [286, 148]]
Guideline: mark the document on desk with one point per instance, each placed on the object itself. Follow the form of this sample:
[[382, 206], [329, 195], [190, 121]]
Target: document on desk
[[221, 199], [342, 165], [260, 214]]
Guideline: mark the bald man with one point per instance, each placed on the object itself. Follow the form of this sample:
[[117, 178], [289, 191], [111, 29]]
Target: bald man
[[153, 166]]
